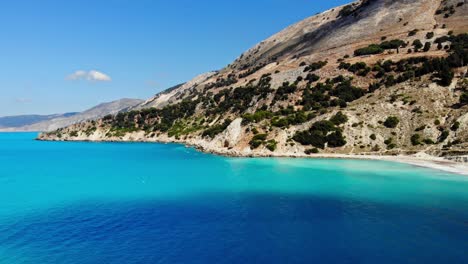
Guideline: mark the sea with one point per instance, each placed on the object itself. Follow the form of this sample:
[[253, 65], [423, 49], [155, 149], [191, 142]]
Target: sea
[[76, 202]]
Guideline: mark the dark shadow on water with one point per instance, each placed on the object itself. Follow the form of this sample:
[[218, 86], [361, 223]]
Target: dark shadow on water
[[239, 228]]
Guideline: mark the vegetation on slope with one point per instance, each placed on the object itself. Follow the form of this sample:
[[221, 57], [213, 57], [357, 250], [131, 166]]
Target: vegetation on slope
[[265, 108]]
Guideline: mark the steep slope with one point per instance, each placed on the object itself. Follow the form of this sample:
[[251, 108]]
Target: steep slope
[[90, 114], [174, 94], [333, 31], [371, 77]]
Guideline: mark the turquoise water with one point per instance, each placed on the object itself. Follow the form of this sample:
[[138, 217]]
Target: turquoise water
[[154, 203]]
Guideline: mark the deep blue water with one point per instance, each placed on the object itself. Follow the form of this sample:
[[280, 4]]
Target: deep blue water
[[154, 203]]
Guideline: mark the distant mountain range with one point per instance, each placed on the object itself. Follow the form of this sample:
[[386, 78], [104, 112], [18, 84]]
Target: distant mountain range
[[52, 122], [26, 120]]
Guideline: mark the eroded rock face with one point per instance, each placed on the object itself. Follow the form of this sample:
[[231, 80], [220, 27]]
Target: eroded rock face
[[233, 133]]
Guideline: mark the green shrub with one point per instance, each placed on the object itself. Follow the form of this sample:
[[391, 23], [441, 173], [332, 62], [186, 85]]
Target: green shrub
[[256, 117], [258, 140], [319, 134], [255, 144], [464, 99], [369, 50], [421, 128], [392, 44], [315, 66], [391, 122], [373, 137], [417, 44], [445, 75], [346, 92], [391, 146], [416, 139], [388, 141], [455, 126], [261, 137], [283, 91], [346, 11], [312, 78], [390, 81], [339, 118], [314, 138], [354, 68], [412, 32], [428, 141], [292, 118], [323, 126], [427, 46], [279, 122], [336, 139], [443, 136], [272, 145], [312, 151]]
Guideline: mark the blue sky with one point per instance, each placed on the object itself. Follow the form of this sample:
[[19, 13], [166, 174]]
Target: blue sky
[[63, 56]]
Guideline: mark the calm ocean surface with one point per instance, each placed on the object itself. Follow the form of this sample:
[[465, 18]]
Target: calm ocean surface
[[153, 203]]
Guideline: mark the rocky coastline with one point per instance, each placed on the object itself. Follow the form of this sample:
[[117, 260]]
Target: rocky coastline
[[451, 164]]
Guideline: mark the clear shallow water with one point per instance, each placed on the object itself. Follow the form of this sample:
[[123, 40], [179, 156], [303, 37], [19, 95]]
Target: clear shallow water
[[153, 203]]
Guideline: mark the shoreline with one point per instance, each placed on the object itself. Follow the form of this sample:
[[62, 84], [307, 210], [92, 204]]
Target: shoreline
[[430, 162], [418, 160]]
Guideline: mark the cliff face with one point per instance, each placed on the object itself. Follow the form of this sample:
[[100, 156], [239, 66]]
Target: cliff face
[[372, 77]]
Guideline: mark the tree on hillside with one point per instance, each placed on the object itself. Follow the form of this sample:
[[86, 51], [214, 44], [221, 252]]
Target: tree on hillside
[[417, 44], [464, 99], [391, 122], [427, 47]]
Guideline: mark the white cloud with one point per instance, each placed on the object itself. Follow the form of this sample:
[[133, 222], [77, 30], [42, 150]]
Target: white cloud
[[98, 76], [78, 75], [93, 76]]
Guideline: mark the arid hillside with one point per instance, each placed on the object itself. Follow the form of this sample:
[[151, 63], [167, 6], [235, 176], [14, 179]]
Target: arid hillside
[[371, 77]]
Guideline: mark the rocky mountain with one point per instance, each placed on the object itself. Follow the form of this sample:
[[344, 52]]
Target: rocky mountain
[[371, 77], [53, 122], [174, 94]]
